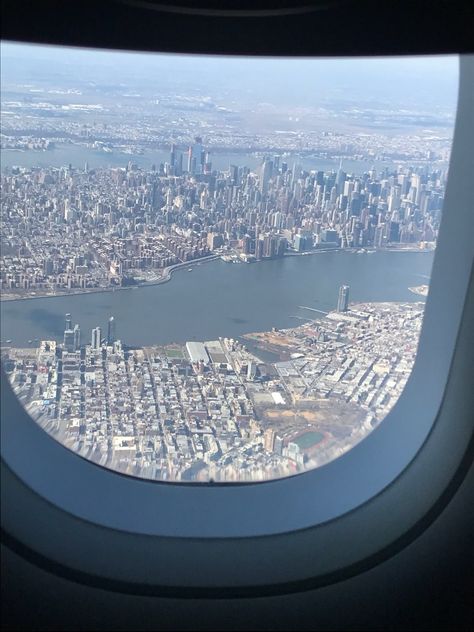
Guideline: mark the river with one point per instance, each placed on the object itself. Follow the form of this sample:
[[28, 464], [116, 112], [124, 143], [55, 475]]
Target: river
[[222, 299], [78, 155]]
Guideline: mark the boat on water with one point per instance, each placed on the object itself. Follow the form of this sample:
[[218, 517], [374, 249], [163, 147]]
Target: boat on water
[[30, 341], [8, 341], [190, 269]]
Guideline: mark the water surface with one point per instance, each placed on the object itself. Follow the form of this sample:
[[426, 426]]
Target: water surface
[[223, 299]]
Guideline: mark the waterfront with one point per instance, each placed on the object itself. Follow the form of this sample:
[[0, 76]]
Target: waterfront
[[210, 409], [223, 299], [78, 155]]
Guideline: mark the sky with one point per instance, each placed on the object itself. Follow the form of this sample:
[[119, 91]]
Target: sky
[[399, 82]]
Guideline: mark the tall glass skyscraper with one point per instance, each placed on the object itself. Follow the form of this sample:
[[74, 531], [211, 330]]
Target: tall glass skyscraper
[[111, 330], [96, 338], [343, 300]]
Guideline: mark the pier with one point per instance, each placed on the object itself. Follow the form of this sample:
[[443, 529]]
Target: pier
[[313, 309]]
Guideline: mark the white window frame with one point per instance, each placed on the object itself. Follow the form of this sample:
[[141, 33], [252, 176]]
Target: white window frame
[[316, 524]]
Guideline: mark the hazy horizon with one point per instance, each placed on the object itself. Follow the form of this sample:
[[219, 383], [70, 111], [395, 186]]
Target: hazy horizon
[[401, 83]]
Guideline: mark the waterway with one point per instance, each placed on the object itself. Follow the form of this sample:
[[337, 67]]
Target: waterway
[[78, 155], [222, 299]]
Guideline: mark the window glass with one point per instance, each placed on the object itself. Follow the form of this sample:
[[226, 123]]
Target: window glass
[[216, 268]]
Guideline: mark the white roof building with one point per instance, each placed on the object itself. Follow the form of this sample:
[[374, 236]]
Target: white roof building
[[197, 352]]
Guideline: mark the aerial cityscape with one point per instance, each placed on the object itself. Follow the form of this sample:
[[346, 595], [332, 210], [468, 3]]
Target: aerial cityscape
[[115, 186], [213, 410], [66, 229]]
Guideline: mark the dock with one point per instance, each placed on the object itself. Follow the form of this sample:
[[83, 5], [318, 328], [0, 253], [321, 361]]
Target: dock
[[313, 309]]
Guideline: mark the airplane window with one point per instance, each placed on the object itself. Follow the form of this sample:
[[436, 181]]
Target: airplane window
[[215, 268]]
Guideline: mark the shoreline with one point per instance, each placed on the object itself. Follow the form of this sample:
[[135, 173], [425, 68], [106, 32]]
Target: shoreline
[[167, 277], [145, 148], [362, 250]]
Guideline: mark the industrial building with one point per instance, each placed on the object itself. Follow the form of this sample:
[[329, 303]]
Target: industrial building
[[197, 352]]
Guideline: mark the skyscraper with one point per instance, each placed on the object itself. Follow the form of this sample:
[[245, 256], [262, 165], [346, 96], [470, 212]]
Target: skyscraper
[[234, 174], [269, 246], [196, 157], [295, 173], [340, 179], [343, 301], [111, 333], [96, 338], [190, 159], [265, 175], [251, 371], [178, 167], [77, 337], [207, 164], [68, 340], [173, 155]]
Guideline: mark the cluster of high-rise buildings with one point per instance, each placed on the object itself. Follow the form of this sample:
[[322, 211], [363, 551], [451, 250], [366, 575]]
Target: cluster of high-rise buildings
[[72, 340], [195, 161], [66, 229]]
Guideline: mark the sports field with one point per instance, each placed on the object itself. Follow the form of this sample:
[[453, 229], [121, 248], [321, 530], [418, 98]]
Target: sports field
[[308, 439]]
